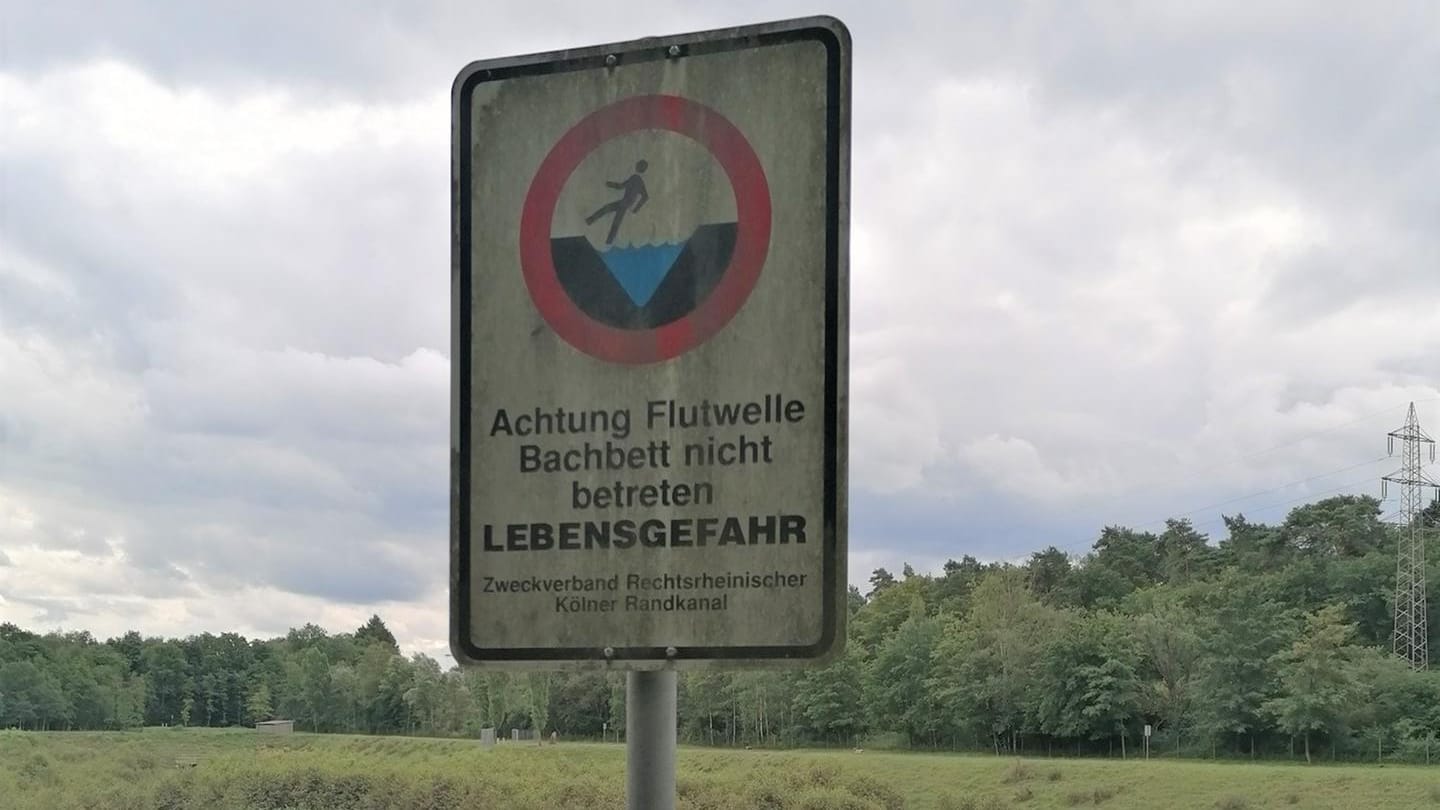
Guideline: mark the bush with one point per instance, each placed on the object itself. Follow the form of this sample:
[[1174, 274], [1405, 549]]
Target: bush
[[821, 775], [949, 802], [36, 768], [1017, 772], [832, 800], [876, 792]]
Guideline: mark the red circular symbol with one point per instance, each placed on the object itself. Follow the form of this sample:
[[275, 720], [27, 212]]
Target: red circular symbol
[[736, 251]]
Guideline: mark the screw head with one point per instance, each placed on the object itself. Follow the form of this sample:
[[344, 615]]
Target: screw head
[[674, 50], [671, 652], [609, 652], [611, 60]]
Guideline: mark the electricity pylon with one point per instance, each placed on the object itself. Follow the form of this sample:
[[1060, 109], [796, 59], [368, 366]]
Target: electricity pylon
[[1412, 640]]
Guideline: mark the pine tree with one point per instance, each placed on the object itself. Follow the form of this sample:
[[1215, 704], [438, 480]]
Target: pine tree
[[374, 631]]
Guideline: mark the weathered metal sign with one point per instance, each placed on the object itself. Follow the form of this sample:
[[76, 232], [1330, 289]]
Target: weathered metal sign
[[649, 351]]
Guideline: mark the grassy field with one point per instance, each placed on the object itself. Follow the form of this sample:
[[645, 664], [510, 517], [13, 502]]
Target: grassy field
[[172, 769]]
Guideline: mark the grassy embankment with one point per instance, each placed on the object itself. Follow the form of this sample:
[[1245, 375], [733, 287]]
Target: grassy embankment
[[230, 770]]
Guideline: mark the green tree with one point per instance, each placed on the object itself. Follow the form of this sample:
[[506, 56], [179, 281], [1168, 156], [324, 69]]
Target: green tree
[[391, 708], [166, 680], [983, 678], [497, 690], [374, 631], [1430, 516], [1343, 526], [880, 579], [1134, 556], [132, 647], [379, 713], [1048, 572], [313, 690], [1393, 705], [258, 707], [829, 702], [1096, 586], [1252, 546], [581, 703], [129, 703], [345, 692], [1317, 681], [30, 697], [888, 607], [1089, 686], [423, 697], [1172, 654], [1185, 554], [951, 592], [898, 677], [1244, 631], [538, 693]]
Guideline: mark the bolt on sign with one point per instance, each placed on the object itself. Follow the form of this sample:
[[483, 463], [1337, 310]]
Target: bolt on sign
[[650, 295]]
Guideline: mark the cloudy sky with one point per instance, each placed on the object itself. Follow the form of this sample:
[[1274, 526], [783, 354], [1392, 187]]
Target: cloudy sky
[[1112, 262]]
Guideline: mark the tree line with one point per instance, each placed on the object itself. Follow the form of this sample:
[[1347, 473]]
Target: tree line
[[1272, 641]]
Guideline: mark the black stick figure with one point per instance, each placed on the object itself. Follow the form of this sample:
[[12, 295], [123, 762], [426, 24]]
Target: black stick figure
[[633, 194]]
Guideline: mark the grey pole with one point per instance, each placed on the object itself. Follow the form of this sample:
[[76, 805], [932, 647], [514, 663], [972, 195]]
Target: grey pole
[[650, 740]]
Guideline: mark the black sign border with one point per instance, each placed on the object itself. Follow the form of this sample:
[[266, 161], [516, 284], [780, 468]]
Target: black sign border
[[835, 38]]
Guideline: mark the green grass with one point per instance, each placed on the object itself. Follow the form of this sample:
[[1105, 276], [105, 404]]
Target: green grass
[[171, 769]]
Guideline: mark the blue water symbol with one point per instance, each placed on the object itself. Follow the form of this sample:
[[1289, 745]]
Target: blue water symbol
[[641, 268]]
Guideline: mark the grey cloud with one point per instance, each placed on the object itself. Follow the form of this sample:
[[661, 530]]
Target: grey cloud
[[1101, 258], [51, 611]]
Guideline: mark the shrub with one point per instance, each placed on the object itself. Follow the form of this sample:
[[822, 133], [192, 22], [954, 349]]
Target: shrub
[[36, 768], [876, 792], [831, 800], [949, 802], [821, 775], [1017, 772]]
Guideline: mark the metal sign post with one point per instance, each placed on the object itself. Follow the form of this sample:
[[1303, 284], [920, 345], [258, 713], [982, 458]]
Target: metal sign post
[[649, 362], [650, 722]]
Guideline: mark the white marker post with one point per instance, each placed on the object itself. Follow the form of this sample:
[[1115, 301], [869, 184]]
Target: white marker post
[[649, 362]]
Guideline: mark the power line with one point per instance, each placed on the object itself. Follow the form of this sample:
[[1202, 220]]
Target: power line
[[1274, 489], [1190, 474], [1090, 540], [1308, 496]]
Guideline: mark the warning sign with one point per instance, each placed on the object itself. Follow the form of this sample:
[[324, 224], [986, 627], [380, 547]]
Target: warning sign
[[649, 352], [635, 286]]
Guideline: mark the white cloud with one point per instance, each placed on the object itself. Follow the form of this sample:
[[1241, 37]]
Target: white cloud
[[258, 403], [1106, 266]]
